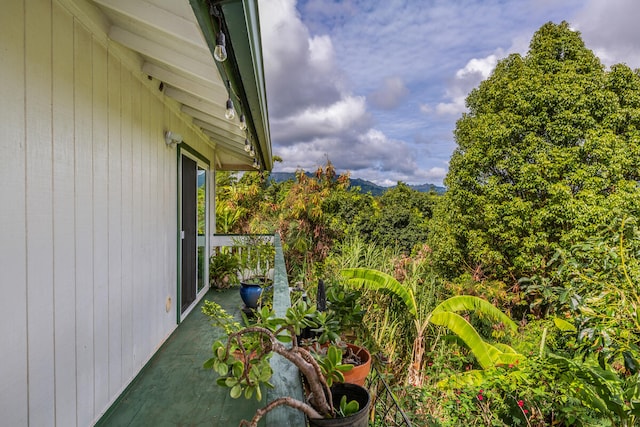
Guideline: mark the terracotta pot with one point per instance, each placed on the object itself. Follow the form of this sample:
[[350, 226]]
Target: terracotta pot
[[358, 374]]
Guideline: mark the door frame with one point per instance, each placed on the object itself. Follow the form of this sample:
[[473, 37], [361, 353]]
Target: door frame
[[201, 162]]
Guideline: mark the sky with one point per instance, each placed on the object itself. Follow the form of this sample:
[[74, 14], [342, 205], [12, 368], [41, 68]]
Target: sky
[[376, 86]]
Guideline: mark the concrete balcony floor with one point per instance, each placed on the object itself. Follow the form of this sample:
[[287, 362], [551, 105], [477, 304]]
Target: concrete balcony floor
[[174, 389]]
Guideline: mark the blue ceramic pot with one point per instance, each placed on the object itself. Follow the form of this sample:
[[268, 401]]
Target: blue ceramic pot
[[250, 293]]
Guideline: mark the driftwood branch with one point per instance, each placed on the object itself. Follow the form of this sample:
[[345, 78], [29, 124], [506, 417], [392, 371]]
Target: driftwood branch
[[327, 390], [289, 401], [300, 358]]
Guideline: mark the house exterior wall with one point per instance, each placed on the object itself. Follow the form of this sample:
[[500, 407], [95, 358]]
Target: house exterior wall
[[89, 214]]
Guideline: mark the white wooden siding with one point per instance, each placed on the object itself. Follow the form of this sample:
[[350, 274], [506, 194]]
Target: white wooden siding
[[13, 304], [64, 251], [89, 193], [39, 233]]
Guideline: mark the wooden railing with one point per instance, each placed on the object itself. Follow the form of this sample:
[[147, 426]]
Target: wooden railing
[[286, 377]]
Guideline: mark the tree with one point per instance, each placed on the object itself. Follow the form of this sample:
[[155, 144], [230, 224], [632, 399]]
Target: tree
[[548, 152], [307, 232], [351, 211], [403, 217], [235, 200]]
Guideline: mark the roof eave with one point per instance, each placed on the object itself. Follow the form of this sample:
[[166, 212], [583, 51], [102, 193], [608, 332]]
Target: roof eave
[[244, 66]]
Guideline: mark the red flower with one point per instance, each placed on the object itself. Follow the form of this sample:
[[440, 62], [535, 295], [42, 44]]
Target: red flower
[[520, 403], [480, 397], [526, 411]]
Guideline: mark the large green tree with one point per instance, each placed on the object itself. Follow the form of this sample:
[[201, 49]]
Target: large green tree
[[402, 217], [548, 151]]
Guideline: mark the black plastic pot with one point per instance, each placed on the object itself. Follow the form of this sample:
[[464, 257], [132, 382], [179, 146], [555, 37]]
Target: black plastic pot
[[353, 392]]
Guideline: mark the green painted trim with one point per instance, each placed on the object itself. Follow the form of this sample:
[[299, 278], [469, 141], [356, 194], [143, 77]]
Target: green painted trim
[[244, 66], [188, 149], [178, 235]]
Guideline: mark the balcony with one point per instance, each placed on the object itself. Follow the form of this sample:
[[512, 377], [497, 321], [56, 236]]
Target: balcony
[[173, 389]]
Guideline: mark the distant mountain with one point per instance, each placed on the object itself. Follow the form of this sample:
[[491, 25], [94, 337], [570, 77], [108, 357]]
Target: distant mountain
[[365, 186]]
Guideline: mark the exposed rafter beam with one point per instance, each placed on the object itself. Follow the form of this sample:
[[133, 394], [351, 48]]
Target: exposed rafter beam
[[214, 92], [146, 47], [214, 111], [197, 114], [221, 145], [158, 18], [223, 134]]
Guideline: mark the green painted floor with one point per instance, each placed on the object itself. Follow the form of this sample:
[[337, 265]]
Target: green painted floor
[[173, 389]]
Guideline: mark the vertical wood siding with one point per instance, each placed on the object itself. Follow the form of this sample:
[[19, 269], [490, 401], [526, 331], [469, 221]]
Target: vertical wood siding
[[64, 250], [13, 304], [89, 194], [39, 191]]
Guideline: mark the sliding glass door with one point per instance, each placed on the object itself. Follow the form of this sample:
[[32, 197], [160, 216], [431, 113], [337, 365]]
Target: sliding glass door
[[193, 233]]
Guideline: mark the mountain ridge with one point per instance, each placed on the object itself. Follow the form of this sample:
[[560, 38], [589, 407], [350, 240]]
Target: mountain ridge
[[364, 185]]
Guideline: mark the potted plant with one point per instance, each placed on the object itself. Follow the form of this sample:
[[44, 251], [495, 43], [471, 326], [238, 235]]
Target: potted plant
[[337, 315], [327, 333], [256, 263], [242, 361], [223, 270]]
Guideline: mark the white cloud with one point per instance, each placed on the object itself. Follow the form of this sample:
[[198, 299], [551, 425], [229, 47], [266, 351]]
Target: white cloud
[[344, 116], [370, 155], [321, 53], [478, 68], [611, 30], [313, 114], [466, 78], [390, 95], [300, 69], [435, 174], [425, 108]]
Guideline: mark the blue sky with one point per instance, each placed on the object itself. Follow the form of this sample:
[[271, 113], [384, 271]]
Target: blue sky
[[376, 86]]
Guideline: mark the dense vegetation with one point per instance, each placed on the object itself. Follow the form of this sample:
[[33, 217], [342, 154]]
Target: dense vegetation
[[539, 219]]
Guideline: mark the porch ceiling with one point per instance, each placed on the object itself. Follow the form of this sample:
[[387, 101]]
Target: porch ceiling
[[175, 49]]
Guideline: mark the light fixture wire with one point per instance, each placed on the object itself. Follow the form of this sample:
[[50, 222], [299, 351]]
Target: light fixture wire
[[215, 13]]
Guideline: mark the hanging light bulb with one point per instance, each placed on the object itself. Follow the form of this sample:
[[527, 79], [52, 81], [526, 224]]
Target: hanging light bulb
[[247, 145], [230, 113], [243, 122], [255, 163], [252, 152], [220, 51]]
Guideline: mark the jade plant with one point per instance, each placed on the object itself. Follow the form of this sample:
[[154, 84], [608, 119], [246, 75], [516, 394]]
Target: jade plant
[[241, 358]]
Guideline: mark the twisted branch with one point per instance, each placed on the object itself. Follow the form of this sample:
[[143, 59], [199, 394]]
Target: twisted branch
[[289, 401], [300, 358]]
